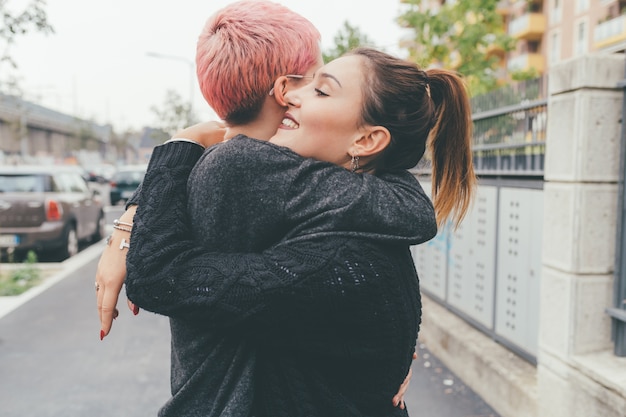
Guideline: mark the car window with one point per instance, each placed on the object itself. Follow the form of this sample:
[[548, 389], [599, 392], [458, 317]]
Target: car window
[[79, 185], [68, 182], [21, 183], [129, 176]]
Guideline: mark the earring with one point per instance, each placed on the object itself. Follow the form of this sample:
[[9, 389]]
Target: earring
[[354, 163], [272, 91]]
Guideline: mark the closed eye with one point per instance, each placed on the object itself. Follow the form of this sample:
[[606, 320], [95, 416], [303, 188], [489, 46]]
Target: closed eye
[[320, 93]]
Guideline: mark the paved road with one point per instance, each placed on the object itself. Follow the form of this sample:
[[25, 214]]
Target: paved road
[[53, 364], [436, 392]]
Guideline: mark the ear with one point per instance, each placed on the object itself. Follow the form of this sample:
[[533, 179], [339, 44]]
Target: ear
[[279, 89], [373, 141]]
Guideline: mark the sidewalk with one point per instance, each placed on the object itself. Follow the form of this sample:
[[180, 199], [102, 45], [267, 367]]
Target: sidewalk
[[436, 392]]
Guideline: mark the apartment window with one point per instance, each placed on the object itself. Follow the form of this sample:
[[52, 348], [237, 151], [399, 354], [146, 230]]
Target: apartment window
[[555, 48], [556, 12], [582, 6], [580, 38]]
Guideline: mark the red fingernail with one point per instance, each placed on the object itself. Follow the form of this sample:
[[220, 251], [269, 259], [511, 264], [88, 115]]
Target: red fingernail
[[101, 334]]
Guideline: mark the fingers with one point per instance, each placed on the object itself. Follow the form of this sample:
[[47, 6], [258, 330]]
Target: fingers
[[205, 133], [132, 307], [110, 276], [107, 307], [398, 399]]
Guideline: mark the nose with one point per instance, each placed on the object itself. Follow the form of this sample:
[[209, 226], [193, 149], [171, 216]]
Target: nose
[[292, 97]]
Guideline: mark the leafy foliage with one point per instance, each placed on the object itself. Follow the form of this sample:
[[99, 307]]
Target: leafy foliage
[[461, 35], [348, 38], [21, 279], [14, 24], [174, 115]]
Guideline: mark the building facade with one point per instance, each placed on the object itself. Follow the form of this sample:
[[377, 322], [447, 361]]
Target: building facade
[[523, 302], [550, 31]]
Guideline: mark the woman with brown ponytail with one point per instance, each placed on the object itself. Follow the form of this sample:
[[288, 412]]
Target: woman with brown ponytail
[[332, 301]]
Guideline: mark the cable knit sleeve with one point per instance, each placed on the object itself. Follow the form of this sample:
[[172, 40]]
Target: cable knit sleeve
[[170, 272]]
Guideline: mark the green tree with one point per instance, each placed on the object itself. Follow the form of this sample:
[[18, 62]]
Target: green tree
[[174, 115], [17, 22], [461, 35], [348, 38]]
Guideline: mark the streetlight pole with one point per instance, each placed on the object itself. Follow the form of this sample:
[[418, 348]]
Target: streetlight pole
[[192, 67]]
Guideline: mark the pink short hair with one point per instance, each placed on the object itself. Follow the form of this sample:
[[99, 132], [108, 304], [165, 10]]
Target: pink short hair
[[244, 47]]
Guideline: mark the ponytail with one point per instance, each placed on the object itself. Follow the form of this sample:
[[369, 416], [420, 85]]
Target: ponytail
[[453, 179], [422, 110]]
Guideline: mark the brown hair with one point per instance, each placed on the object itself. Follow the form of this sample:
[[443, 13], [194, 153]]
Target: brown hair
[[422, 109]]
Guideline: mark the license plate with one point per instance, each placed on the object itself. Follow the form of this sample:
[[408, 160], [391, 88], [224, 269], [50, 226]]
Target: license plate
[[127, 194], [9, 241]]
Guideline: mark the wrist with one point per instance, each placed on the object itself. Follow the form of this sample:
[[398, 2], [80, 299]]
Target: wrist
[[175, 139], [120, 242]]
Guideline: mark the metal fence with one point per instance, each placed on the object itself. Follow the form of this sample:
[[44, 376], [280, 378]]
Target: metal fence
[[488, 271], [510, 130]]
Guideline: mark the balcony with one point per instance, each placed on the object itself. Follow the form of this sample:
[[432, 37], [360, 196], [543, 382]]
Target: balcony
[[527, 62], [530, 26], [610, 32]]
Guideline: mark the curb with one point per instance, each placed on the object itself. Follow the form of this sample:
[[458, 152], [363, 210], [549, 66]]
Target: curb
[[67, 267], [502, 379]]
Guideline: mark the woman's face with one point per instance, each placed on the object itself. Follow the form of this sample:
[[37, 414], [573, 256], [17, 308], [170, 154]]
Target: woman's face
[[322, 119]]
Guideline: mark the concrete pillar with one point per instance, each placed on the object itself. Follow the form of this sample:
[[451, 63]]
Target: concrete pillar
[[580, 202]]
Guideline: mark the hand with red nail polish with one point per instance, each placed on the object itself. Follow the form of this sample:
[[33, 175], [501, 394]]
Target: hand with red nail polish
[[132, 307], [111, 274]]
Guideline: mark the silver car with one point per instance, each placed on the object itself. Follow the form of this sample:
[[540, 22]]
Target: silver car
[[48, 209]]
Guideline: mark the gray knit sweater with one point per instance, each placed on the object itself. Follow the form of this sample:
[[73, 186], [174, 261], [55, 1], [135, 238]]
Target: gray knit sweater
[[295, 283]]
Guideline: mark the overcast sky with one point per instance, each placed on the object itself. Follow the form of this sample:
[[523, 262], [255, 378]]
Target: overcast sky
[[96, 65]]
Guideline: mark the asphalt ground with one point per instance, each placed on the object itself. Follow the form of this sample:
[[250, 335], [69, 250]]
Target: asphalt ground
[[53, 364]]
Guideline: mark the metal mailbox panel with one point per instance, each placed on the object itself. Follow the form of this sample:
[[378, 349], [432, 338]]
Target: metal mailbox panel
[[431, 263], [519, 266], [431, 260], [471, 269]]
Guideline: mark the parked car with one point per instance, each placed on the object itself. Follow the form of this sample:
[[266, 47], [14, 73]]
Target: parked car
[[48, 209], [125, 181], [102, 173]]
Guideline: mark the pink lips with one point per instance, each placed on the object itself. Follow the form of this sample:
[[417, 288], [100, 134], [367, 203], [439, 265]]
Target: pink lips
[[292, 119]]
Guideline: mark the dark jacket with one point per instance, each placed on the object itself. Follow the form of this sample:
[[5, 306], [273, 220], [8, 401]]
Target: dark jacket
[[313, 276]]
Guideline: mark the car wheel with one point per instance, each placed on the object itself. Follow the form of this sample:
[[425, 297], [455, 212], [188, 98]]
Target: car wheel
[[100, 228], [70, 243]]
